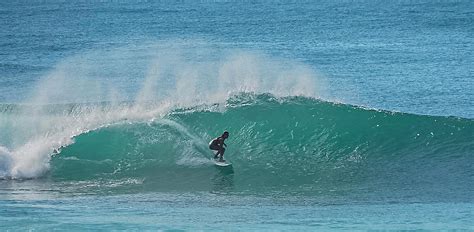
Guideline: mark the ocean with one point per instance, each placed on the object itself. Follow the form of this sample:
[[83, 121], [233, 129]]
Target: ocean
[[343, 115]]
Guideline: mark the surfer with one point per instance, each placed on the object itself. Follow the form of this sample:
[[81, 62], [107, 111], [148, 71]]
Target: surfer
[[218, 144]]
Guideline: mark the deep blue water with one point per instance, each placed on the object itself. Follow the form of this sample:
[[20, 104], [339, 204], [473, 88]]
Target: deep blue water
[[345, 115], [406, 56]]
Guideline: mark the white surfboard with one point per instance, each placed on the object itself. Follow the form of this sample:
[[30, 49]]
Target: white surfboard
[[221, 164]]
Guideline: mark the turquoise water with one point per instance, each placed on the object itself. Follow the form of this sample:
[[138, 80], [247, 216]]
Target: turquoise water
[[217, 212], [342, 116]]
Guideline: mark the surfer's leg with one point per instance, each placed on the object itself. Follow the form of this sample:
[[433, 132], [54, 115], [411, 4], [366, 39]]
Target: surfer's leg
[[221, 152], [215, 148], [217, 154]]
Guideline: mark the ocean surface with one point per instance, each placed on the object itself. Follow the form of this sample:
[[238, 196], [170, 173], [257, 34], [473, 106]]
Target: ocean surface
[[343, 115]]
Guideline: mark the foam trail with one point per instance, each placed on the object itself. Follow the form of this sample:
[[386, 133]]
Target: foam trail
[[70, 100]]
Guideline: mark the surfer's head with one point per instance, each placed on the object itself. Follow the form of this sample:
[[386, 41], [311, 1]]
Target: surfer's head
[[225, 134]]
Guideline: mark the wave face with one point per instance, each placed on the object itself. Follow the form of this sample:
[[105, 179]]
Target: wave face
[[292, 145]]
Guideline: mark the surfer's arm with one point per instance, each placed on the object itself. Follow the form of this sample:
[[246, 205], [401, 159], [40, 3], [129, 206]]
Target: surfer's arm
[[221, 142]]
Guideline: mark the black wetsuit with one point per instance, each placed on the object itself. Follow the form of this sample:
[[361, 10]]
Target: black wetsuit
[[217, 144]]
